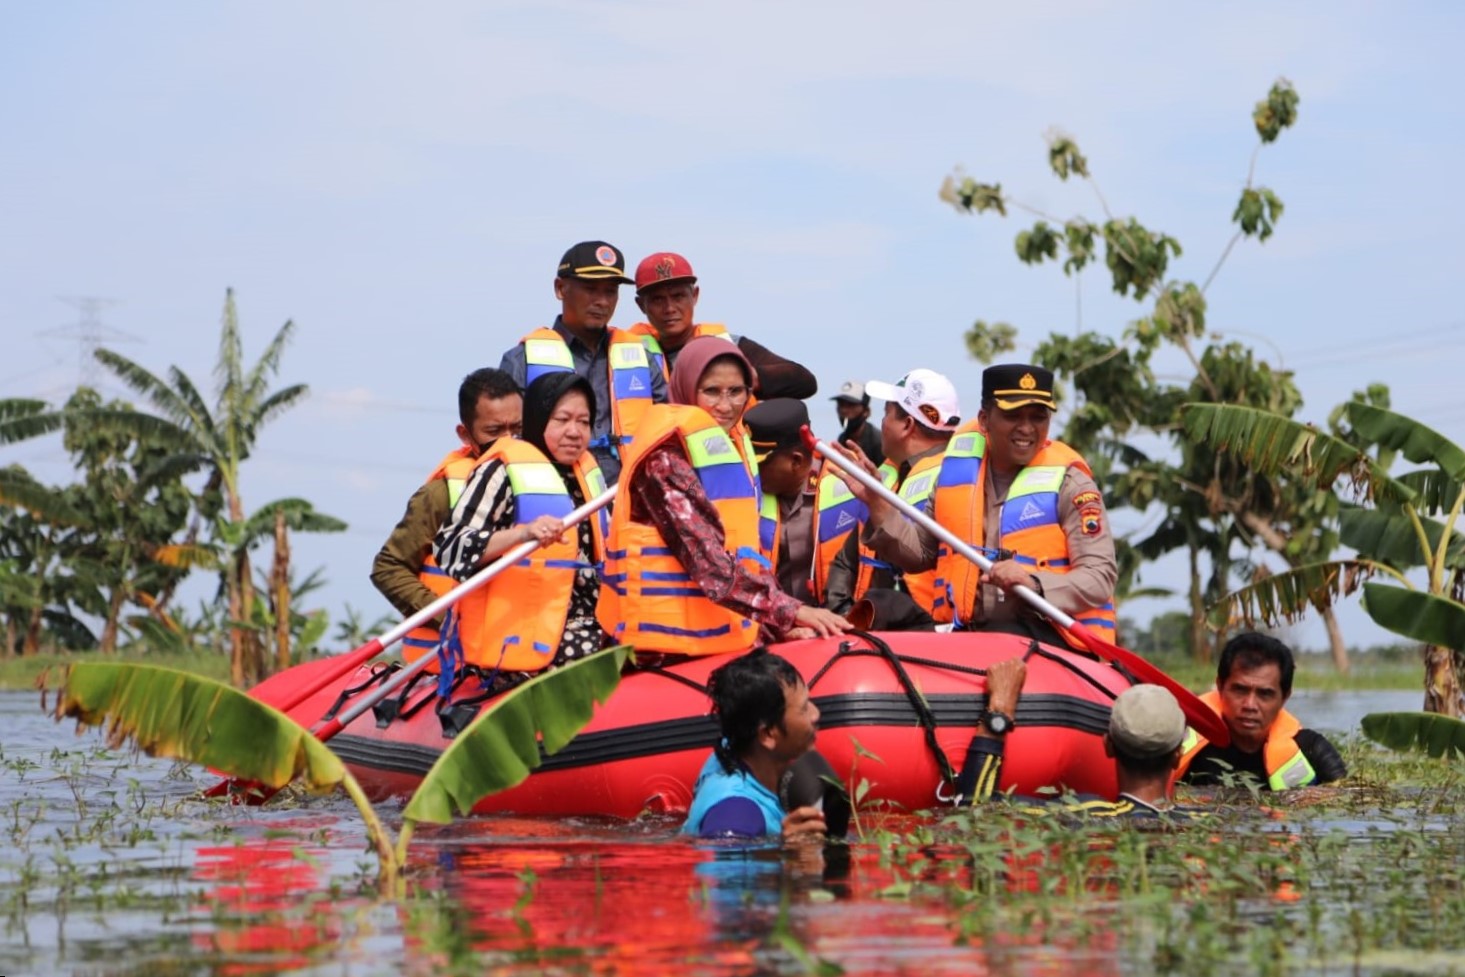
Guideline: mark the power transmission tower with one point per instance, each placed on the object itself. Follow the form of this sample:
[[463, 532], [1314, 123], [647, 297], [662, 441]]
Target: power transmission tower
[[88, 332]]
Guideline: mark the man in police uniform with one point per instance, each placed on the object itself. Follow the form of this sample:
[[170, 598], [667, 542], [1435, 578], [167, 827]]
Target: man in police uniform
[[786, 502], [582, 339], [1051, 535]]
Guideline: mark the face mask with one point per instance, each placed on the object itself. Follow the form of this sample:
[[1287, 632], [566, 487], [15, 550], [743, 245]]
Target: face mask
[[485, 446]]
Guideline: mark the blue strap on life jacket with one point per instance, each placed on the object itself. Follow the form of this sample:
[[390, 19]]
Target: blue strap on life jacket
[[748, 553], [449, 654]]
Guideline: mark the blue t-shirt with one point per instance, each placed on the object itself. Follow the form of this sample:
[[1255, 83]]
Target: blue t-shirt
[[732, 804]]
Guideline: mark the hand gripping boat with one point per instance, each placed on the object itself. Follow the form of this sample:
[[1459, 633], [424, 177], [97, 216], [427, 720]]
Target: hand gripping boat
[[911, 699]]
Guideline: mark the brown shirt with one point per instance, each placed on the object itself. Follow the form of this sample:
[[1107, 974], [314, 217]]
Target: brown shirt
[[394, 571], [796, 545], [1092, 572]]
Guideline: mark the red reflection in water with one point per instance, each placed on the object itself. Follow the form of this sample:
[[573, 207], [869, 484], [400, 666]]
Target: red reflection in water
[[259, 901]]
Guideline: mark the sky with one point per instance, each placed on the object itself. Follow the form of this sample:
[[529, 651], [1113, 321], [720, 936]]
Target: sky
[[401, 180]]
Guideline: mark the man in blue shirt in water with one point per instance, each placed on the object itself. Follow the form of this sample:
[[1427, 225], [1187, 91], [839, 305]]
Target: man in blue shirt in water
[[768, 723]]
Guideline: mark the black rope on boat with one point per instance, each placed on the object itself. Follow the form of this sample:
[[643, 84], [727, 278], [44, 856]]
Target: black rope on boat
[[918, 702], [1036, 650], [379, 673]]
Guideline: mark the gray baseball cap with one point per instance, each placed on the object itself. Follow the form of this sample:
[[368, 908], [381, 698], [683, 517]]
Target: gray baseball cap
[[1146, 722]]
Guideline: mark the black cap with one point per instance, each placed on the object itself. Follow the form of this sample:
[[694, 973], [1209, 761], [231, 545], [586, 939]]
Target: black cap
[[594, 261], [1014, 385], [774, 424]]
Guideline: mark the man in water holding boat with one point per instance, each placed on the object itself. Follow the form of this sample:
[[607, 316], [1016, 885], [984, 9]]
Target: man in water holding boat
[[1268, 744], [582, 340], [1029, 502], [768, 723], [1146, 729], [490, 406]]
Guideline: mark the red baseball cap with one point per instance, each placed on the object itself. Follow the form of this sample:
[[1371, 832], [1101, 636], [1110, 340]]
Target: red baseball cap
[[661, 268]]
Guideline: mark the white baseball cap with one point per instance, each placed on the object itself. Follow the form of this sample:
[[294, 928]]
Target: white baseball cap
[[925, 395]]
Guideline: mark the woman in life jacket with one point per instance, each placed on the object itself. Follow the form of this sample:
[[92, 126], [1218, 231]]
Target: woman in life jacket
[[683, 574], [539, 613]]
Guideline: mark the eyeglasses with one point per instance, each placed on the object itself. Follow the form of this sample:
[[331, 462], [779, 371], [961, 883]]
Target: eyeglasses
[[733, 395]]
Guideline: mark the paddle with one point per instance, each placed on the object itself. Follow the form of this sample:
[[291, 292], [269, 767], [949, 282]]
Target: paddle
[[325, 729], [1202, 718]]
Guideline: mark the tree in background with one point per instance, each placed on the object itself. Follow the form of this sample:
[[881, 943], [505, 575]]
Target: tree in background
[[126, 456], [1394, 524], [1211, 508]]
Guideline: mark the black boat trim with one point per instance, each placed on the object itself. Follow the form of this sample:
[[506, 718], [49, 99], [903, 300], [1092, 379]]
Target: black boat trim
[[886, 709]]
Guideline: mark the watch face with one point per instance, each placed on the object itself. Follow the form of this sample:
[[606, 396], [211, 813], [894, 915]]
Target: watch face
[[998, 723]]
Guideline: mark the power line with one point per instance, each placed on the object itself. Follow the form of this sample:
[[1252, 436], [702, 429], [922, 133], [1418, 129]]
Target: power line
[[89, 333]]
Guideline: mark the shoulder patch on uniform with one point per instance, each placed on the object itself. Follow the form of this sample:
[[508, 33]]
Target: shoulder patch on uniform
[[1092, 517], [1083, 499]]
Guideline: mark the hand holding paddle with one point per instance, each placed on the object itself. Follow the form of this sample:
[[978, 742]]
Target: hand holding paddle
[[1201, 717]]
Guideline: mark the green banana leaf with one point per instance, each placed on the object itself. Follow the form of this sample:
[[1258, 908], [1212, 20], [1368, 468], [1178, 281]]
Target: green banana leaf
[[1415, 441], [1272, 444], [1439, 735], [1436, 493], [501, 746], [174, 714], [1415, 614], [1285, 597], [1388, 536]]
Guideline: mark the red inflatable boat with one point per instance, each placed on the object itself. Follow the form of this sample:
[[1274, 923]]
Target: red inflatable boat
[[902, 697]]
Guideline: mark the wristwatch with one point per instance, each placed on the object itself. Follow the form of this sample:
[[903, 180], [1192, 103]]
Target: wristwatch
[[997, 723]]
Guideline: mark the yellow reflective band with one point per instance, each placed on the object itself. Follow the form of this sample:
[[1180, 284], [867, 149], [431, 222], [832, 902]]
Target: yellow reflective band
[[1043, 478], [535, 478], [832, 491], [455, 491], [627, 356], [548, 352], [711, 447], [768, 507], [968, 446], [917, 489], [596, 480], [652, 344]]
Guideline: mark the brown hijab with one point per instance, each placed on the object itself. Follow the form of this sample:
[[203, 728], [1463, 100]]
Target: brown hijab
[[693, 361]]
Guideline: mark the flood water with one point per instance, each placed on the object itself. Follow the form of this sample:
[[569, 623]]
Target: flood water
[[110, 866]]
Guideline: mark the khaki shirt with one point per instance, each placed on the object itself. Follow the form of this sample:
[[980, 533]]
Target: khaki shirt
[[1092, 573]]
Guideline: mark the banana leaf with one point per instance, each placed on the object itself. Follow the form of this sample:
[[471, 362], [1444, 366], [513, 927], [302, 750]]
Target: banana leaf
[[502, 745], [1286, 597], [174, 714], [1436, 493], [1389, 537], [1415, 441], [1439, 735], [1415, 614], [1272, 444]]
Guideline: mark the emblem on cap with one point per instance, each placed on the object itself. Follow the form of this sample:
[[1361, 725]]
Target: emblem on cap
[[664, 268], [606, 255], [1028, 382], [917, 388]]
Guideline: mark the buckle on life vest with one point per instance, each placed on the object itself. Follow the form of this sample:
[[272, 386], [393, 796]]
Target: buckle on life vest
[[612, 441]]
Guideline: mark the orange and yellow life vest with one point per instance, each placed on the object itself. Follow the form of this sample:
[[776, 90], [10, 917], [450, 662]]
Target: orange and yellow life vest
[[647, 599], [928, 589], [454, 469], [545, 351], [1031, 523], [652, 341], [1282, 758], [516, 620], [837, 513]]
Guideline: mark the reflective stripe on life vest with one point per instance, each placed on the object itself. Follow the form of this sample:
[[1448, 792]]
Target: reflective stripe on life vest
[[545, 351], [928, 589], [1282, 758]]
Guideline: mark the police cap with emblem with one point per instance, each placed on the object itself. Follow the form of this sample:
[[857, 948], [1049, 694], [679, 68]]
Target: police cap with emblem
[[594, 261], [1014, 385], [776, 424]]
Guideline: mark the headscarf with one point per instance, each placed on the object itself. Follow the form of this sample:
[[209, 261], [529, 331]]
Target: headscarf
[[541, 398], [693, 361]]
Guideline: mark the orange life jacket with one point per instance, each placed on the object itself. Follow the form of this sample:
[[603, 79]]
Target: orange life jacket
[[1031, 523], [837, 513], [647, 599], [454, 469], [516, 620], [652, 341], [545, 351], [1281, 757], [928, 589]]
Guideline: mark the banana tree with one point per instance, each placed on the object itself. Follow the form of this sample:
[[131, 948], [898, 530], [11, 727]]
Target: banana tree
[[1396, 525]]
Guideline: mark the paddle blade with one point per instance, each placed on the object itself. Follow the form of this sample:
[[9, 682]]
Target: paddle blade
[[1437, 735], [501, 747], [1202, 718], [174, 714]]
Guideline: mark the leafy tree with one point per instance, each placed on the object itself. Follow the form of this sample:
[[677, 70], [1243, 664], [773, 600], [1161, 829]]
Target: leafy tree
[[1209, 506], [1394, 524]]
